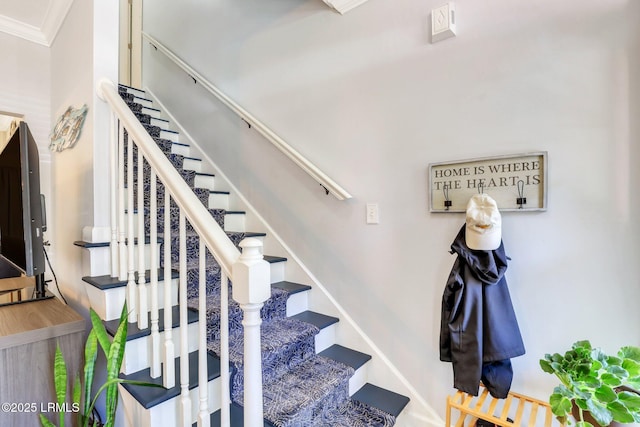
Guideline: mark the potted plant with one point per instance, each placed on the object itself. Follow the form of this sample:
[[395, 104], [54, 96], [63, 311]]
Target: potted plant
[[83, 403], [596, 384]]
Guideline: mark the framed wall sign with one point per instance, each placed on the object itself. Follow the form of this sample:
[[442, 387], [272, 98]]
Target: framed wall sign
[[516, 182]]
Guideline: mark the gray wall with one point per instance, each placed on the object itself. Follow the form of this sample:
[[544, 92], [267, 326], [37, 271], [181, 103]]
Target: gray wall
[[372, 102]]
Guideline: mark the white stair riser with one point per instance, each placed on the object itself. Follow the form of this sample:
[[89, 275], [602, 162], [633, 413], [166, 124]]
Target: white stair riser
[[170, 136], [96, 261], [181, 149], [142, 101], [192, 164], [137, 355], [161, 123], [326, 338], [135, 92], [205, 181], [358, 379], [151, 112], [219, 201], [234, 222], [108, 303], [297, 303], [167, 413], [277, 271]]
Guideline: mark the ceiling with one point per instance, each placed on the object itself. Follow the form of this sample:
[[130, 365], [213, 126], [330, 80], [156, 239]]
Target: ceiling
[[35, 20]]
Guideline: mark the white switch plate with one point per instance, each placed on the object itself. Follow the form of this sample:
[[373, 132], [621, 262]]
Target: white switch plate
[[373, 215], [443, 22]]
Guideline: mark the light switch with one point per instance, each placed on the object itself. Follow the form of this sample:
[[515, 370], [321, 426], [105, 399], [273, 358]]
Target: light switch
[[443, 22], [373, 215]]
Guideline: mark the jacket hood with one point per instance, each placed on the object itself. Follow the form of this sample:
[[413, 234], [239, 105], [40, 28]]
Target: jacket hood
[[487, 266]]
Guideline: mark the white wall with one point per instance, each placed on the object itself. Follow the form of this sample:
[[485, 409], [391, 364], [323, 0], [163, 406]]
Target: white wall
[[370, 100], [84, 51]]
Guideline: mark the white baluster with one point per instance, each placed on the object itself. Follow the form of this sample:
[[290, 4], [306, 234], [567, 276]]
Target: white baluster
[[122, 244], [203, 413], [143, 305], [131, 282], [225, 399], [169, 372], [185, 399], [153, 233], [113, 189], [251, 288]]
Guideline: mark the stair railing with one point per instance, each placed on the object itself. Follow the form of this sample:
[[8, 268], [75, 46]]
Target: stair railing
[[327, 183], [247, 270]]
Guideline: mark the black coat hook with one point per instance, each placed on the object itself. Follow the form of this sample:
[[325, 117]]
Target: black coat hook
[[447, 202], [521, 200]]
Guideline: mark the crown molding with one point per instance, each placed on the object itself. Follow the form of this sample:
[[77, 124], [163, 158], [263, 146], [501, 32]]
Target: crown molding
[[343, 6], [46, 33]]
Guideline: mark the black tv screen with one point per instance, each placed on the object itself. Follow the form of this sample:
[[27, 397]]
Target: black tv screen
[[21, 215]]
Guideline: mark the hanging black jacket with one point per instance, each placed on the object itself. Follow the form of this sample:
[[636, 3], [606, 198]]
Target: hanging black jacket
[[479, 332]]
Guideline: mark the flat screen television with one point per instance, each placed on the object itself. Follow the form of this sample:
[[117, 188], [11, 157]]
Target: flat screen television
[[22, 218]]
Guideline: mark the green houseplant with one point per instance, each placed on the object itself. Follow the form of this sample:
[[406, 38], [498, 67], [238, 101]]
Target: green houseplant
[[83, 403], [595, 383]]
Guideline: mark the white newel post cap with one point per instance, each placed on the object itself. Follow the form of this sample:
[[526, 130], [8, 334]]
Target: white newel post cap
[[251, 274]]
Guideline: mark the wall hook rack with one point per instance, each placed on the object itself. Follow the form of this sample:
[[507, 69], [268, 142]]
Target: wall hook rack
[[326, 190]]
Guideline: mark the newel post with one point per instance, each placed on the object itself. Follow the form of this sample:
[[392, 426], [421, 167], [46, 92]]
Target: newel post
[[251, 288]]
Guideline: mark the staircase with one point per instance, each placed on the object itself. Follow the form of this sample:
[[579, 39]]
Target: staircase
[[308, 379]]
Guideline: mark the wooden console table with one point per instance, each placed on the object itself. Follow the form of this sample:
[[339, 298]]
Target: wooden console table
[[29, 333]]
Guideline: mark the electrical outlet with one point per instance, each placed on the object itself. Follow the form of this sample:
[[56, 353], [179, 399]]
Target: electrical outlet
[[373, 215]]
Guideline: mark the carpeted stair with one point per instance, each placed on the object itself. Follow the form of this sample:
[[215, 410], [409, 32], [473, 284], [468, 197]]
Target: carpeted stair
[[301, 388]]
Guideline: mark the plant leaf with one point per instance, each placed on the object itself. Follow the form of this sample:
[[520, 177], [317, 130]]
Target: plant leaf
[[630, 400], [90, 356], [584, 424], [599, 412], [546, 366], [632, 367], [620, 413], [114, 362], [45, 422], [610, 380], [100, 331], [630, 352], [605, 394], [60, 380], [619, 371], [560, 405]]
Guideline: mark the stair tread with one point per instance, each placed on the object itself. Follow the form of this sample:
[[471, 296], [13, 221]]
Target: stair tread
[[89, 245], [383, 399], [345, 355], [318, 319], [273, 259], [107, 282], [149, 397], [133, 331], [291, 287], [237, 418]]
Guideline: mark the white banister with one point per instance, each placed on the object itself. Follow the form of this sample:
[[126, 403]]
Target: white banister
[[122, 243], [169, 371], [156, 355], [131, 282], [251, 289], [185, 399], [249, 271], [113, 171], [203, 412], [305, 164], [143, 298]]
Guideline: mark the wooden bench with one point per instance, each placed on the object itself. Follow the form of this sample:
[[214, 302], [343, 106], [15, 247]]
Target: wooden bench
[[516, 410]]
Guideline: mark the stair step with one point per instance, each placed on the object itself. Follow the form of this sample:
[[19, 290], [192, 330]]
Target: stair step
[[385, 400], [149, 397], [327, 335], [237, 418], [317, 319], [345, 355], [108, 282], [133, 332]]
